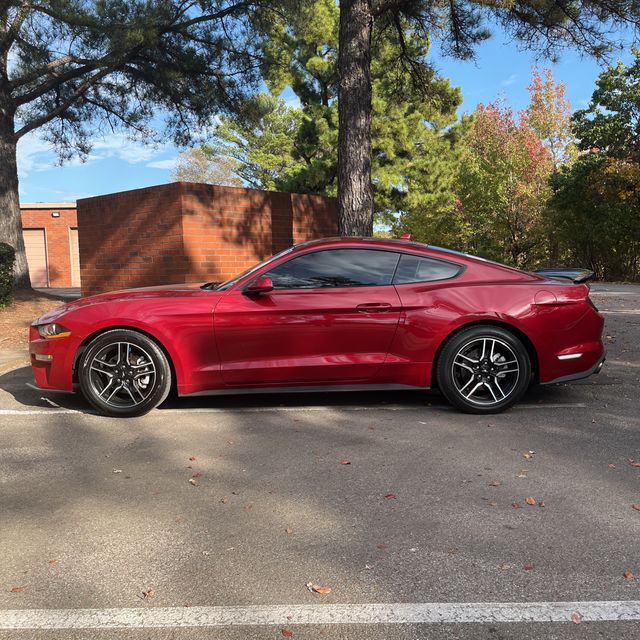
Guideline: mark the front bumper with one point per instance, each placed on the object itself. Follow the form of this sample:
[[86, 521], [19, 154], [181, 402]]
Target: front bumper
[[52, 361]]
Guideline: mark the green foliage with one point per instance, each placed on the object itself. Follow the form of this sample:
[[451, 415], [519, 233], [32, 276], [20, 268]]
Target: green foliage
[[295, 149], [501, 190], [84, 68], [7, 260], [596, 215], [596, 206], [261, 139], [611, 122]]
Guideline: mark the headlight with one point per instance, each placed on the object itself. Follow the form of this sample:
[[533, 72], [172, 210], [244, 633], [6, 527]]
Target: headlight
[[53, 330]]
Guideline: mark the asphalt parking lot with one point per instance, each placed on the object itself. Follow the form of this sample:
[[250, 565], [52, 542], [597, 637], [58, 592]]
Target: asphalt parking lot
[[208, 517]]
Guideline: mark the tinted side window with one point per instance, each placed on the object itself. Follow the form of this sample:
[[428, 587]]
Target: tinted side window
[[416, 269], [335, 268]]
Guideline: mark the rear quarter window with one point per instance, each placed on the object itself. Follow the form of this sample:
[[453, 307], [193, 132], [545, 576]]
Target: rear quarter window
[[418, 269]]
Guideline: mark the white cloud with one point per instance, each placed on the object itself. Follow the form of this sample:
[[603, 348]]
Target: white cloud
[[123, 148], [32, 150], [510, 80], [169, 163]]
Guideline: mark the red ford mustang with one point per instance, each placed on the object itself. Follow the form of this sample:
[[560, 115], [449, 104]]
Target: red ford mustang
[[342, 314]]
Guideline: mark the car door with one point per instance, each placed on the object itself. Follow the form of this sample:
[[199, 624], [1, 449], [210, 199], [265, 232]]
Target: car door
[[330, 319]]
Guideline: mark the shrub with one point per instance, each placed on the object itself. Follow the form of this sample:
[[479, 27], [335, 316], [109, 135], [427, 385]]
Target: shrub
[[7, 261]]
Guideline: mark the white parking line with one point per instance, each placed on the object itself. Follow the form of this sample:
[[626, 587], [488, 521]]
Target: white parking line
[[187, 410], [623, 312], [410, 613]]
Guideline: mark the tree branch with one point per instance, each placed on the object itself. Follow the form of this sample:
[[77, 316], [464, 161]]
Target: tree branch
[[12, 32], [47, 117]]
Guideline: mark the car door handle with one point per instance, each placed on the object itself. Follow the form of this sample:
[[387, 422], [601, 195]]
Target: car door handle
[[373, 307]]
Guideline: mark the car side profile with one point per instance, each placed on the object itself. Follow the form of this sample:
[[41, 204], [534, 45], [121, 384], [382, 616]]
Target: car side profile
[[343, 314]]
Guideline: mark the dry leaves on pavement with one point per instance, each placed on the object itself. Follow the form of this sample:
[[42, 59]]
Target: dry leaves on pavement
[[531, 501], [629, 575], [17, 589], [390, 496], [576, 618], [314, 588]]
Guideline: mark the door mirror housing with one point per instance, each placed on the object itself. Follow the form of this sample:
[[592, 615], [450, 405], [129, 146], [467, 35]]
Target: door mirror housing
[[259, 286]]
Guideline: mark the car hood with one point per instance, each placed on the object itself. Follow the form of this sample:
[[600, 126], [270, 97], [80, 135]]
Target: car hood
[[164, 291]]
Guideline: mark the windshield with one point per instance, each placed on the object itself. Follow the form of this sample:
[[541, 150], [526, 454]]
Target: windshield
[[229, 283]]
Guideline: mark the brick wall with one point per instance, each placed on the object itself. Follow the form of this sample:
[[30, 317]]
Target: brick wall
[[185, 232], [38, 216]]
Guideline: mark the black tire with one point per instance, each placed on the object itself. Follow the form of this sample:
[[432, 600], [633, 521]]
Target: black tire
[[124, 373], [495, 382]]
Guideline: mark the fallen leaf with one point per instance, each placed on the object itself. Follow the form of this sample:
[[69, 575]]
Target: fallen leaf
[[527, 456], [629, 575], [522, 473], [611, 466], [492, 503], [576, 618], [382, 546], [288, 531], [149, 594], [491, 425], [321, 590], [193, 482], [53, 562], [528, 567], [193, 458], [286, 633], [390, 496], [494, 483], [541, 504], [516, 505], [634, 463], [504, 567], [17, 589], [636, 507], [225, 500], [531, 501], [345, 462], [248, 507], [117, 471], [197, 475]]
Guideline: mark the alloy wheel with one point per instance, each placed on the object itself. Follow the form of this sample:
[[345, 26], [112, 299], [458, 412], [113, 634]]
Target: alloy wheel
[[485, 371], [122, 375]]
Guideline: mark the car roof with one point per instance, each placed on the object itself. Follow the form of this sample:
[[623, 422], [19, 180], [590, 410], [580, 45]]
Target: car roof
[[397, 244]]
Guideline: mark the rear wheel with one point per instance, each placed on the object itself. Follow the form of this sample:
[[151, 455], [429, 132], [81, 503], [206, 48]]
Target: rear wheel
[[483, 369], [124, 373]]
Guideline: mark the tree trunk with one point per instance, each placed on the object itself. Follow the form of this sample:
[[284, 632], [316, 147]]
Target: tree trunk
[[10, 221], [355, 191]]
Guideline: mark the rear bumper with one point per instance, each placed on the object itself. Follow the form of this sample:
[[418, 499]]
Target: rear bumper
[[581, 374]]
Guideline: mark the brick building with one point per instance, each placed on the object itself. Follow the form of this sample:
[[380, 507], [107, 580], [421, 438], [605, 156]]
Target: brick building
[[50, 231], [186, 232]]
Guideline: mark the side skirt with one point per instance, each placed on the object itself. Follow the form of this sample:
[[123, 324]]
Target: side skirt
[[309, 389]]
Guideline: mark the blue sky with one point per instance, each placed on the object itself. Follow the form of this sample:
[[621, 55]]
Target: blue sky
[[117, 164]]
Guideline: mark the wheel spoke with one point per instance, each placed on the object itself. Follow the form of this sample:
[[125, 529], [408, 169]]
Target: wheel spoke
[[113, 393], [488, 386], [473, 390], [106, 388], [94, 368], [472, 360], [464, 366]]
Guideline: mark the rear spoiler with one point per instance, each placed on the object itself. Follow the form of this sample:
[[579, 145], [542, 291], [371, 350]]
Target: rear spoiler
[[575, 275]]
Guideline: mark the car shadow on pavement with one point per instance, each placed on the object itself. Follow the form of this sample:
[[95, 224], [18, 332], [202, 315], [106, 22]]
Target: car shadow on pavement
[[18, 392]]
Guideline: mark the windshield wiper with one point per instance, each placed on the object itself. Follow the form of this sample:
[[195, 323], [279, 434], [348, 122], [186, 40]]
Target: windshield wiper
[[208, 286]]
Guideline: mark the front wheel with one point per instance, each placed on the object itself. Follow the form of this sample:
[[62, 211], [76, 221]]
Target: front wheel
[[124, 373], [483, 369]]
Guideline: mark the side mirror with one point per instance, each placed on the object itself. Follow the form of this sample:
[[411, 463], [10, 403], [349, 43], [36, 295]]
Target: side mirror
[[259, 285]]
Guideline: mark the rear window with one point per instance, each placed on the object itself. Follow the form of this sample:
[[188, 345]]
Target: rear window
[[417, 269]]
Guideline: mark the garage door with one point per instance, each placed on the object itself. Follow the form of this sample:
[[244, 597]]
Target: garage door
[[36, 247], [75, 257]]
